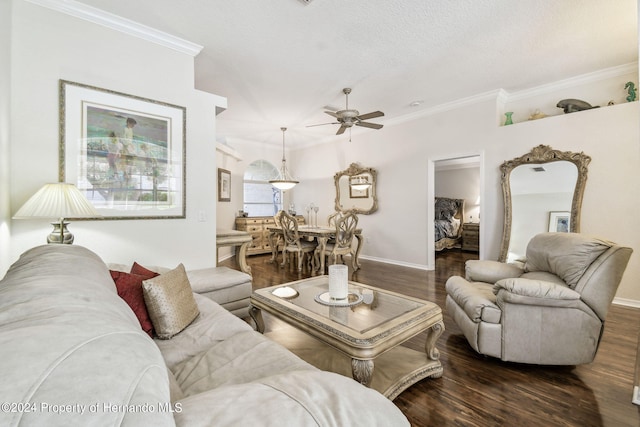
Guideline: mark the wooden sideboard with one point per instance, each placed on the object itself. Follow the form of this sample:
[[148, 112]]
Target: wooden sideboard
[[258, 226], [471, 236]]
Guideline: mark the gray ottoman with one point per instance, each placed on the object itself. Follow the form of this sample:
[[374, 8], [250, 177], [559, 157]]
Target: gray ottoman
[[229, 288]]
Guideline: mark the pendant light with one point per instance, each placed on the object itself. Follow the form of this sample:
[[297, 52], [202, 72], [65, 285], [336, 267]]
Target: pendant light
[[283, 181]]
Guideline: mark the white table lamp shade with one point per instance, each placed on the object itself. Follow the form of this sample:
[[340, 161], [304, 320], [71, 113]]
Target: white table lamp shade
[[59, 200]]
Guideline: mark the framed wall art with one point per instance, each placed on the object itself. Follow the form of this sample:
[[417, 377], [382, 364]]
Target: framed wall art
[[224, 185], [559, 221], [125, 153]]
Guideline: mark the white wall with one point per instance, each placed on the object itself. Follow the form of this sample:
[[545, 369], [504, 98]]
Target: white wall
[[48, 46], [5, 130], [397, 231]]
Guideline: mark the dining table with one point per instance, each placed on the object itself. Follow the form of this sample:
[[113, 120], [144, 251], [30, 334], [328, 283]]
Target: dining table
[[322, 234]]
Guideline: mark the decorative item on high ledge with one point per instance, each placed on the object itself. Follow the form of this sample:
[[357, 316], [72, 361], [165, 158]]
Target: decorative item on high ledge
[[509, 120], [537, 115], [573, 105], [631, 90]]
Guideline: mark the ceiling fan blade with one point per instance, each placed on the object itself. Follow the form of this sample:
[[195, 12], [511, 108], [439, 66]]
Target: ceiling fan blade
[[322, 124], [341, 130], [369, 125], [371, 115], [332, 114]]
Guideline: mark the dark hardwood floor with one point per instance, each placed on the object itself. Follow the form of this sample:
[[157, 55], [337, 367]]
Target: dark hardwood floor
[[480, 391]]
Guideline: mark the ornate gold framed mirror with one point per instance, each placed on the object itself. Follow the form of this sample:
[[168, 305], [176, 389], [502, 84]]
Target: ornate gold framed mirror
[[356, 190], [542, 191]]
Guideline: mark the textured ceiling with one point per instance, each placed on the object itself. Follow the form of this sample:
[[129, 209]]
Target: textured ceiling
[[279, 62]]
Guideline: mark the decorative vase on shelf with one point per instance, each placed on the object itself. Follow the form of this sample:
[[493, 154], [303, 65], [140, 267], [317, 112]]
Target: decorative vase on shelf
[[509, 120]]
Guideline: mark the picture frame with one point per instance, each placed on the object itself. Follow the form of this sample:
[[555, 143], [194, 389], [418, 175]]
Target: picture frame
[[559, 222], [125, 153], [224, 185]]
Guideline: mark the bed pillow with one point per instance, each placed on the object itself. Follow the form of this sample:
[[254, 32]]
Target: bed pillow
[[129, 288], [170, 302]]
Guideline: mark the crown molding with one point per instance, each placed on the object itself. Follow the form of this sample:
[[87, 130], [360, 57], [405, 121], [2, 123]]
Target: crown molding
[[503, 96], [118, 23], [582, 79], [447, 106]]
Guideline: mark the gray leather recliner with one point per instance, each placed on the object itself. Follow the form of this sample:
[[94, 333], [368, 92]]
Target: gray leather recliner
[[549, 310]]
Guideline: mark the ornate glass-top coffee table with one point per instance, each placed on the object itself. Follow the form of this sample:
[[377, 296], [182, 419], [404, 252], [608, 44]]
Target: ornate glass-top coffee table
[[371, 325]]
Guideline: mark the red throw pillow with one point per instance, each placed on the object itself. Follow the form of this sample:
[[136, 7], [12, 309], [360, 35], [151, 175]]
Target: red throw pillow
[[129, 288], [142, 271]]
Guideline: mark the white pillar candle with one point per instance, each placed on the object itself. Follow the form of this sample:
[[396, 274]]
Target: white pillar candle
[[338, 283]]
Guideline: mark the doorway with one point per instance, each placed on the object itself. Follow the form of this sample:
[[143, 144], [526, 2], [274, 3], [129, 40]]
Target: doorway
[[457, 177]]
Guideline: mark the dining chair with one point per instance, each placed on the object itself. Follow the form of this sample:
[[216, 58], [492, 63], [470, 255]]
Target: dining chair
[[292, 243], [331, 219], [345, 225]]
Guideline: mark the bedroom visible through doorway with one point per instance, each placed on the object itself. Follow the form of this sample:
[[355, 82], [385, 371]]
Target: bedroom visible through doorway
[[456, 205]]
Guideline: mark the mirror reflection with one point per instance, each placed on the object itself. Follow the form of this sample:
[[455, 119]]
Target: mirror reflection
[[542, 192], [356, 190]]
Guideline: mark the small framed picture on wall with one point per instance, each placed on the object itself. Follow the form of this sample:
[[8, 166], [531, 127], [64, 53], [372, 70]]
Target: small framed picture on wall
[[224, 185], [559, 222]]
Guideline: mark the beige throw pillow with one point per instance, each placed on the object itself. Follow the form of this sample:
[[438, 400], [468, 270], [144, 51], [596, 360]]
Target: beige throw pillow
[[170, 302]]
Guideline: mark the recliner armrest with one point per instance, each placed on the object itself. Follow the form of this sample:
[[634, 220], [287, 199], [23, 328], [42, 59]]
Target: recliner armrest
[[490, 271], [535, 289]]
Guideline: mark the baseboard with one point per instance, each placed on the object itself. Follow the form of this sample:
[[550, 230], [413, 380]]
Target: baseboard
[[636, 395], [394, 262], [627, 302]]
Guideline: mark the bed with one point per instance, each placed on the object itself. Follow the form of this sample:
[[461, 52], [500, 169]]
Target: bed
[[448, 220]]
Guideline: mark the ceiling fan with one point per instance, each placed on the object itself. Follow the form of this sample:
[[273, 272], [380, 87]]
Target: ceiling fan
[[347, 118]]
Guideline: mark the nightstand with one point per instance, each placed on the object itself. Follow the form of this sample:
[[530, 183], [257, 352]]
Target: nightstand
[[471, 236]]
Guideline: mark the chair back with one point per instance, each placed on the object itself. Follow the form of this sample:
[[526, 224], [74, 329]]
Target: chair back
[[346, 225], [289, 225], [591, 266], [331, 219]]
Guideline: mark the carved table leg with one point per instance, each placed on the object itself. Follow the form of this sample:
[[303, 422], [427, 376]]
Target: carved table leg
[[322, 244], [242, 258], [356, 258], [433, 333], [256, 316], [362, 371]]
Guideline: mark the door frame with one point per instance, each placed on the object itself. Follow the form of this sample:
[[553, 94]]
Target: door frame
[[431, 165]]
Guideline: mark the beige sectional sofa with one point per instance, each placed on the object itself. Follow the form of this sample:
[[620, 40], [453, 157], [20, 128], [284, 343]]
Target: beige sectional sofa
[[73, 353]]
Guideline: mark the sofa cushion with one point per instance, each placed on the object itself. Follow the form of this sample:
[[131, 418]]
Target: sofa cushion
[[170, 302], [242, 358], [212, 326], [301, 398], [567, 255], [129, 288]]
